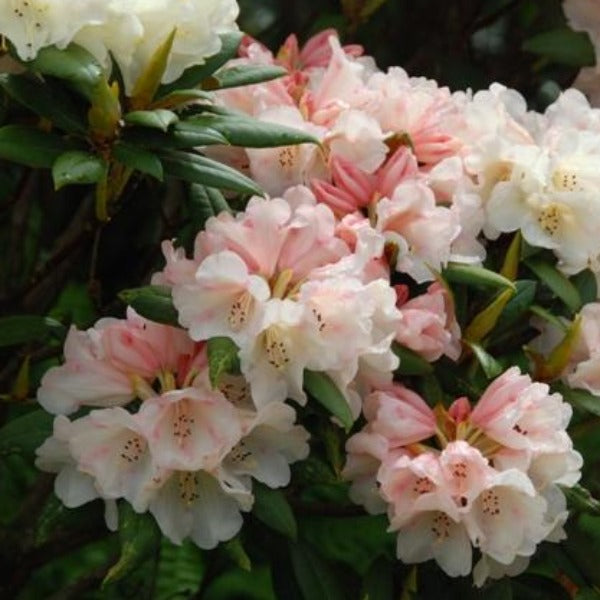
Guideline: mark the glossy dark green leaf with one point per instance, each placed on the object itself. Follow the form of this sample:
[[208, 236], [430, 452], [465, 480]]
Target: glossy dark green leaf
[[250, 133], [581, 399], [411, 363], [518, 305], [272, 508], [155, 119], [585, 282], [322, 388], [550, 276], [73, 64], [222, 358], [51, 103], [243, 75], [199, 169], [180, 570], [30, 146], [316, 579], [139, 159], [21, 329], [475, 276], [24, 434], [563, 46], [153, 302], [491, 367], [179, 136], [205, 202], [193, 76], [140, 540], [354, 541], [581, 500], [378, 583], [77, 167]]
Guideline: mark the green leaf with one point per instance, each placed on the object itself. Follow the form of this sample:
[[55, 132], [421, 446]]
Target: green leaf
[[491, 367], [222, 358], [518, 305], [563, 46], [73, 64], [272, 508], [138, 159], [316, 579], [236, 553], [354, 541], [411, 363], [180, 570], [546, 315], [24, 434], [581, 500], [322, 388], [242, 75], [585, 282], [77, 167], [30, 146], [550, 276], [510, 266], [247, 132], [49, 102], [155, 119], [21, 329], [148, 82], [199, 169], [153, 302], [194, 75], [581, 399], [378, 583], [179, 136], [475, 276], [179, 97], [485, 321], [207, 202], [140, 539]]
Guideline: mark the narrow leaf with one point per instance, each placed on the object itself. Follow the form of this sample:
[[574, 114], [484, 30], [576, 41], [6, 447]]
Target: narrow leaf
[[510, 266], [194, 75], [582, 399], [49, 102], [555, 364], [77, 167], [314, 576], [179, 136], [205, 203], [272, 508], [148, 82], [249, 133], [140, 539], [30, 146], [518, 305], [180, 97], [585, 282], [563, 46], [199, 169], [581, 500], [24, 434], [475, 276], [491, 367], [21, 329], [322, 388], [153, 302], [155, 119], [222, 358], [555, 281], [485, 321], [546, 315], [411, 363], [138, 159], [242, 75]]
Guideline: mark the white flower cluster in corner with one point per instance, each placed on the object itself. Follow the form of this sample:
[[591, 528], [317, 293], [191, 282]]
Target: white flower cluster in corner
[[129, 31]]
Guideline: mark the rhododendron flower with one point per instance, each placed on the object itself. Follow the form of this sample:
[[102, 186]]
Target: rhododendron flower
[[428, 325]]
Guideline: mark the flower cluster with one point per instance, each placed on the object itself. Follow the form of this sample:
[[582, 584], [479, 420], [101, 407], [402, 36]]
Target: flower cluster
[[187, 453], [488, 482], [338, 266], [130, 32]]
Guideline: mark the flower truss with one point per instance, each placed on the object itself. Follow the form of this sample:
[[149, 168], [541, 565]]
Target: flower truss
[[354, 264]]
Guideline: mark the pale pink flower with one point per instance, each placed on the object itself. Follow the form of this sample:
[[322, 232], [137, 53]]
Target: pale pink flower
[[223, 299], [190, 429], [584, 364], [178, 268], [423, 231], [522, 414], [400, 415], [428, 325]]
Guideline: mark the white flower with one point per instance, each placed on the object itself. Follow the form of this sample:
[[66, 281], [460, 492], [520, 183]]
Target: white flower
[[33, 24]]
